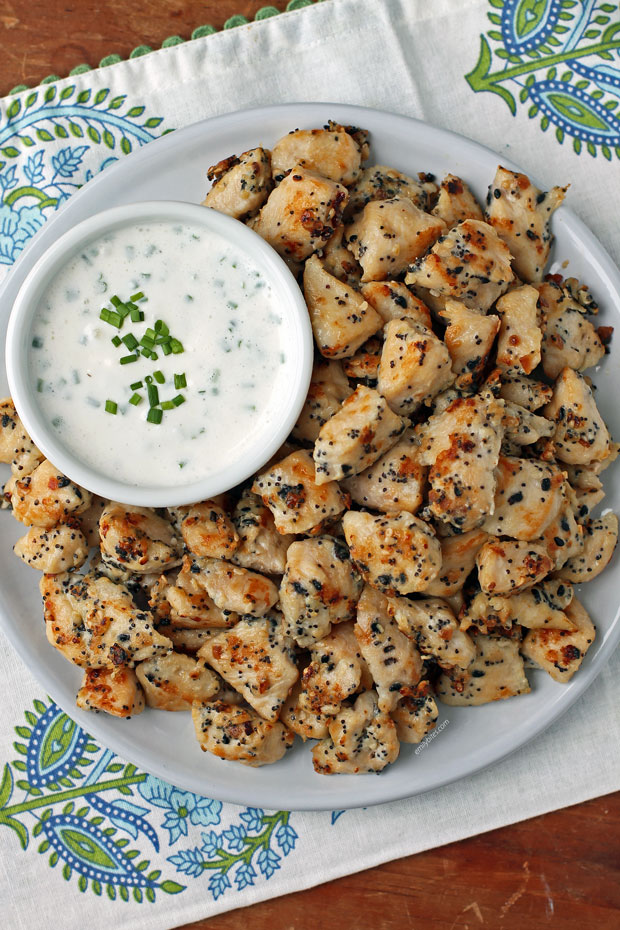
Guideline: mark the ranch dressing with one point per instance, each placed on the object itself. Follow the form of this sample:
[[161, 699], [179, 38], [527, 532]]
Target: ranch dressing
[[215, 303]]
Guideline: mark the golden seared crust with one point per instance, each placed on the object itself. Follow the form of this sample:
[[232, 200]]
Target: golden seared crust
[[16, 447], [302, 721], [569, 338], [297, 502], [395, 482], [580, 434], [507, 566], [415, 716], [529, 496], [241, 184], [540, 607], [520, 214], [233, 588], [364, 365], [431, 624], [261, 547], [525, 392], [520, 334], [393, 300], [174, 681], [378, 182], [207, 530], [389, 235], [341, 319], [332, 153], [239, 734], [496, 673], [183, 601], [599, 541], [415, 366], [561, 652], [114, 691], [55, 550], [329, 387], [356, 436], [469, 338], [362, 738], [456, 202], [336, 671], [395, 553], [47, 497], [257, 659], [458, 558], [138, 539]]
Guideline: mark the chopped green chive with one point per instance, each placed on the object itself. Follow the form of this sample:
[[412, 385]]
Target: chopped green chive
[[111, 317], [149, 379], [135, 399], [178, 400], [40, 384], [137, 316], [37, 342], [153, 394], [161, 328], [147, 342], [176, 346], [180, 381], [128, 359], [116, 341], [111, 406], [137, 296], [135, 385], [166, 348], [159, 376], [130, 341], [154, 415], [167, 405]]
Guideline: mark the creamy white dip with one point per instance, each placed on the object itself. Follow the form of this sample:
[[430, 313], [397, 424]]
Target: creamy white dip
[[214, 301]]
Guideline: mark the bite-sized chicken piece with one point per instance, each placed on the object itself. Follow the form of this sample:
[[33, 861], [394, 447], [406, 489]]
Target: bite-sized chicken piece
[[261, 547], [415, 366], [543, 606], [569, 338], [520, 334], [379, 182], [470, 262], [525, 392], [241, 184], [297, 502], [496, 673], [395, 553], [393, 300], [60, 549], [89, 520], [564, 537], [329, 387], [301, 214], [599, 541], [456, 202], [183, 601], [257, 659], [138, 539], [238, 734], [320, 587], [332, 153], [95, 622], [432, 625], [174, 681], [188, 641], [16, 447], [389, 235], [523, 427], [114, 691], [356, 436], [520, 213], [394, 482], [362, 738], [507, 566], [364, 365], [234, 588], [338, 260], [469, 339], [529, 496], [415, 716], [301, 720], [580, 435], [393, 660], [462, 446], [458, 559], [341, 319], [561, 652], [207, 530], [46, 497]]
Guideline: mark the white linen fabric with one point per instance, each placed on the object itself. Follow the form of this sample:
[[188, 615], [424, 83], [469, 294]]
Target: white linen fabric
[[85, 838]]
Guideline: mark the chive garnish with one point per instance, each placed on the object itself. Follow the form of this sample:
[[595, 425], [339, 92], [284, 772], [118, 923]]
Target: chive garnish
[[167, 405], [180, 381], [135, 399], [176, 346], [166, 348], [161, 328], [116, 341], [153, 394], [178, 400], [159, 376], [137, 296], [136, 316], [40, 383], [130, 341], [111, 317], [154, 415], [135, 385], [128, 359], [111, 406]]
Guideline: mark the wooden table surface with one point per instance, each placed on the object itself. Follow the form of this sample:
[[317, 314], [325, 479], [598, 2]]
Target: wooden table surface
[[561, 870]]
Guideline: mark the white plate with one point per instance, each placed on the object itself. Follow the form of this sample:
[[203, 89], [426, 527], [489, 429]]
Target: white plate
[[173, 168]]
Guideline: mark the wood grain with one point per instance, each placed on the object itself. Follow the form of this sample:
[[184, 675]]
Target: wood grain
[[558, 871]]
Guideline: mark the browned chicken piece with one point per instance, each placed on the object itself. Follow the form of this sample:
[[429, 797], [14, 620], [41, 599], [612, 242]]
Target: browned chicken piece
[[174, 681], [341, 319], [469, 339], [257, 659], [415, 366], [507, 566], [393, 300], [523, 427], [188, 641], [301, 214], [458, 559], [138, 539], [16, 447], [462, 447], [95, 622], [564, 537], [332, 153], [364, 365], [395, 553], [303, 721], [561, 652], [520, 334], [241, 184], [89, 520], [390, 234], [320, 587], [470, 262], [520, 213], [393, 660], [379, 182], [525, 392], [329, 387], [207, 530], [338, 260], [363, 429], [361, 739], [569, 338], [415, 716], [543, 606], [234, 588], [580, 435], [261, 547], [52, 551], [238, 734], [529, 496], [495, 673], [394, 482], [599, 541], [47, 497], [114, 691], [431, 624], [456, 202], [297, 502], [183, 602]]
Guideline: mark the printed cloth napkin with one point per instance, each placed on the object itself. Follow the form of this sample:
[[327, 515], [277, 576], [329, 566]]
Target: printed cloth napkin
[[88, 839]]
